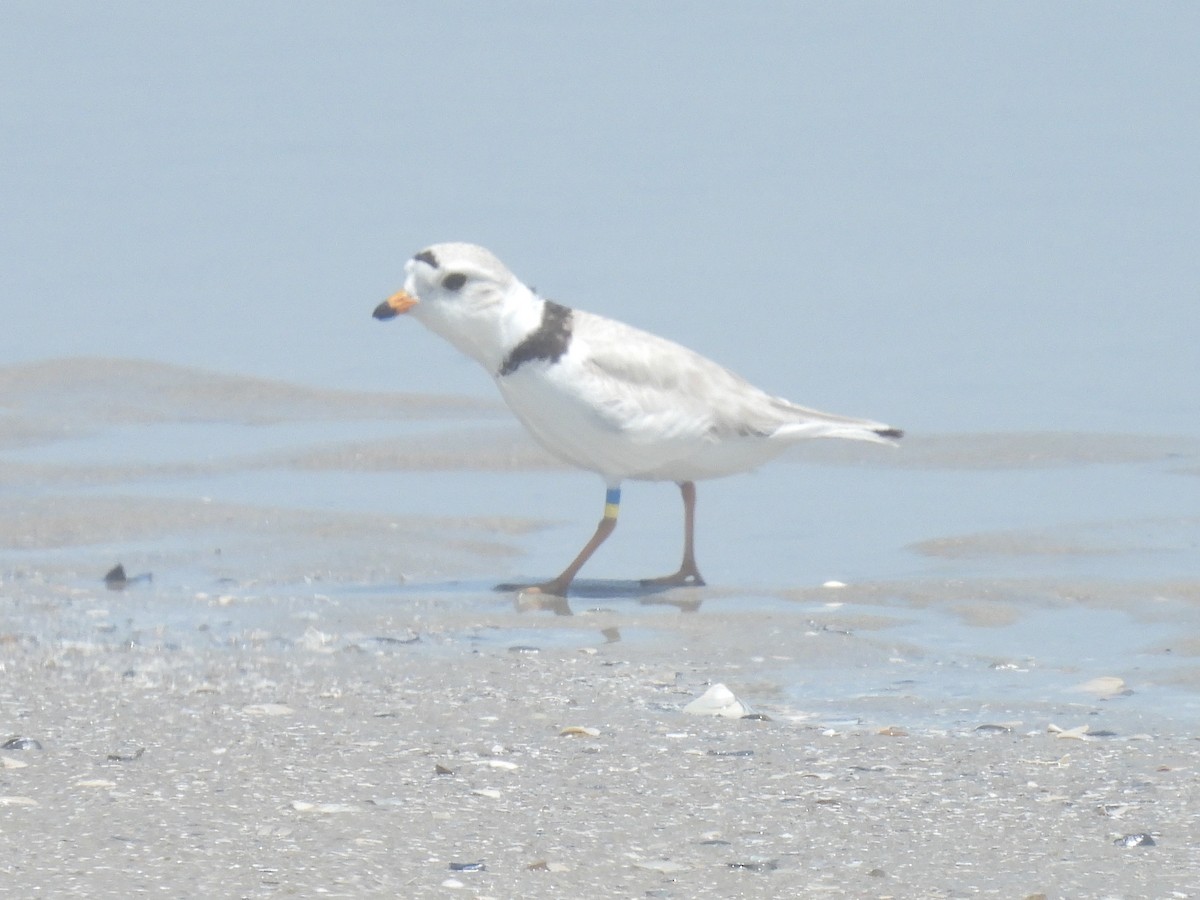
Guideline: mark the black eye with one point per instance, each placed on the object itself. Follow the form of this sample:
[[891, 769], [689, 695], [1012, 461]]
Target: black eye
[[454, 281]]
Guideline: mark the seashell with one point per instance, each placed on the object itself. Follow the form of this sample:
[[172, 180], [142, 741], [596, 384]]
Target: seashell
[[665, 866], [718, 700], [22, 743], [315, 641], [412, 638], [267, 709], [1141, 839], [579, 731], [765, 865], [126, 757], [322, 808], [542, 865], [1104, 687], [1078, 733]]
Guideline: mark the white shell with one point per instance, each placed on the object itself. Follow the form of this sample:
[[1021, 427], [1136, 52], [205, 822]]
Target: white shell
[[718, 700]]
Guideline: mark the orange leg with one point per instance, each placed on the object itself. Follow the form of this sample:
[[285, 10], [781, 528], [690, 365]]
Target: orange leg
[[558, 586], [688, 574]]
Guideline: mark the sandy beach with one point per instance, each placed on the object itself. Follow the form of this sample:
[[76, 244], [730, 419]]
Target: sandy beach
[[350, 753], [309, 700]]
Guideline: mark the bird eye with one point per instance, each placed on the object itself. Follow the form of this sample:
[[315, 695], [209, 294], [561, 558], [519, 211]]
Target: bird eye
[[454, 281]]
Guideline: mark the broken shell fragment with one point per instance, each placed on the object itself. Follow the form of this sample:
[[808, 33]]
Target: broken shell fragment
[[22, 743], [1078, 733], [1141, 839], [267, 709], [1103, 687], [579, 731]]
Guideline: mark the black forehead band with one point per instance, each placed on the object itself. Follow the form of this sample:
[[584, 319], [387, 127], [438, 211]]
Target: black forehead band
[[426, 256]]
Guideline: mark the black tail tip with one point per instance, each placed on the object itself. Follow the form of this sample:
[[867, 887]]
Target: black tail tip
[[890, 432]]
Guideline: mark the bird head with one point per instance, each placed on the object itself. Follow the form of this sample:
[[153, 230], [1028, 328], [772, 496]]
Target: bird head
[[465, 294]]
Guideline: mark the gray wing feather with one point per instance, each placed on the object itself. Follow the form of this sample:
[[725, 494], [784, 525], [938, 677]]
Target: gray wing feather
[[642, 381]]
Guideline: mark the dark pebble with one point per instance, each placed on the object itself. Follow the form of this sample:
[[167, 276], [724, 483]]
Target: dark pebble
[[115, 577], [468, 867]]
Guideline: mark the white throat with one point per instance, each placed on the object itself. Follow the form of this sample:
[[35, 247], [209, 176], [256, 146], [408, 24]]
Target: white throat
[[487, 326]]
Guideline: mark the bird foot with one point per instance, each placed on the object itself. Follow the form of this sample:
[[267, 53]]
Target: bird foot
[[553, 588], [685, 577]]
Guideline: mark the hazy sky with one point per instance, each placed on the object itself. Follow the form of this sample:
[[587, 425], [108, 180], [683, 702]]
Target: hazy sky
[[948, 216]]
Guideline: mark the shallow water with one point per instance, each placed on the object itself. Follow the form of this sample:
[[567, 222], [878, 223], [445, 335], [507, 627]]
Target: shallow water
[[973, 593]]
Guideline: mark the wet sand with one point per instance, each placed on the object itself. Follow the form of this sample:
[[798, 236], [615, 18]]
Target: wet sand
[[312, 696], [261, 747]]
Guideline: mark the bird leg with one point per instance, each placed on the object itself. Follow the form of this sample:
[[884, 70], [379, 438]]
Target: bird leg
[[558, 586], [688, 574]]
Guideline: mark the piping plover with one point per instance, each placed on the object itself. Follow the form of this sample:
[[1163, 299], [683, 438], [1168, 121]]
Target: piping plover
[[605, 396]]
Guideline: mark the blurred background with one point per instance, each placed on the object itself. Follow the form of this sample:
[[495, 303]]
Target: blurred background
[[952, 217]]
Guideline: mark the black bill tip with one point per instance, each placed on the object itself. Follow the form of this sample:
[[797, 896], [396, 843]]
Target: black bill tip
[[384, 311]]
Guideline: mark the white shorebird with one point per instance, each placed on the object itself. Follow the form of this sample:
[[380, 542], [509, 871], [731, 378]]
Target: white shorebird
[[605, 396]]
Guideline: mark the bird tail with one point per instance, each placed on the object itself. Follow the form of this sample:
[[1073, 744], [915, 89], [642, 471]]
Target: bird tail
[[809, 423]]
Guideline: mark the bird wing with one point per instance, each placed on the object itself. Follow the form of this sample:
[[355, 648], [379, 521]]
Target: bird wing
[[642, 382]]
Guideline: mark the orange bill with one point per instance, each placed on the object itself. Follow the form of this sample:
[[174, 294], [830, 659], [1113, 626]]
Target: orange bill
[[399, 302]]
